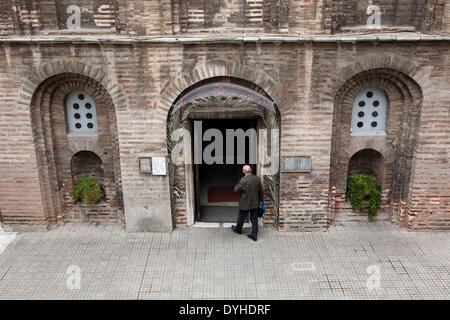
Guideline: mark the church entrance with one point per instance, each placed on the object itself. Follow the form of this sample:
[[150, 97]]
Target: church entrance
[[225, 145]]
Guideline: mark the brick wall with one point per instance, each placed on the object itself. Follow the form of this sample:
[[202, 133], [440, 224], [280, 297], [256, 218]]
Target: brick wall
[[137, 82]]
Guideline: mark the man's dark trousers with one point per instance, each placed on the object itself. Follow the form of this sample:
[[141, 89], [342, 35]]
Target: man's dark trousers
[[253, 219]]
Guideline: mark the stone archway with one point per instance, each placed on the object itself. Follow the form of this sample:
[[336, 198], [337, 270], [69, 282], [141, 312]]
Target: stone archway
[[36, 77], [220, 97]]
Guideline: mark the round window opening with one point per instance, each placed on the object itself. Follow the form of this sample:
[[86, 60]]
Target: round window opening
[[81, 96], [374, 114], [88, 105], [78, 125], [369, 94], [76, 106], [360, 114], [362, 103], [374, 124], [376, 103], [360, 124]]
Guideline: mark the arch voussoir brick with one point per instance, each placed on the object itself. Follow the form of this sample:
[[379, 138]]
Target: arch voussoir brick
[[253, 77]]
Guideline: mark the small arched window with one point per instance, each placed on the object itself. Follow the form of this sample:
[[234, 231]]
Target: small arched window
[[369, 113], [81, 113]]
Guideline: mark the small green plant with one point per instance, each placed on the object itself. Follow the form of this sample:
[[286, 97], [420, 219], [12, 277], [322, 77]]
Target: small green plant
[[87, 190], [364, 187]]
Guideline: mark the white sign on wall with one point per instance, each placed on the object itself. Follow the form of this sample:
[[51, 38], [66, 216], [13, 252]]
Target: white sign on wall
[[159, 166]]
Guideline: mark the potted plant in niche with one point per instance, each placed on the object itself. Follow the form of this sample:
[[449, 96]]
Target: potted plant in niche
[[87, 190], [363, 191]]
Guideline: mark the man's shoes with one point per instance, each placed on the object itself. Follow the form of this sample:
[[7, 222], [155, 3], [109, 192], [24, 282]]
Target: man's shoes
[[251, 237], [235, 230]]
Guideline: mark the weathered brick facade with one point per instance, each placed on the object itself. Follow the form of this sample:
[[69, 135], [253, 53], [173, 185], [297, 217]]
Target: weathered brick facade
[[310, 57]]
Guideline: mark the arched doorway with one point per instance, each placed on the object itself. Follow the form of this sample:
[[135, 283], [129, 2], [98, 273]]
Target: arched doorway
[[204, 117]]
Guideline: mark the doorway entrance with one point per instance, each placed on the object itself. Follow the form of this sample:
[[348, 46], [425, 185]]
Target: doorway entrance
[[239, 104], [215, 199]]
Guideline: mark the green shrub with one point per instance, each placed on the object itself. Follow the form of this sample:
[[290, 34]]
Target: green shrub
[[364, 187], [87, 190]]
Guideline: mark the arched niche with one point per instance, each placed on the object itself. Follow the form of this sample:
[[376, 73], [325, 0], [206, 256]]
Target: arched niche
[[61, 152], [403, 106], [366, 159]]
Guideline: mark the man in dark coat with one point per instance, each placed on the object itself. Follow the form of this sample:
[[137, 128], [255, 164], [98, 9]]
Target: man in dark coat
[[250, 195]]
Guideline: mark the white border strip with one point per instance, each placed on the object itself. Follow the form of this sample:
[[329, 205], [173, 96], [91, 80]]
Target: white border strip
[[5, 239]]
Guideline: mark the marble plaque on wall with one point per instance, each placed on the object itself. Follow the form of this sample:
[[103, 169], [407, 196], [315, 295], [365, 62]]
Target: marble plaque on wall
[[296, 164]]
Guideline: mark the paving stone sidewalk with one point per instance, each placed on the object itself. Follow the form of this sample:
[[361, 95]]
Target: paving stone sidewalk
[[215, 263]]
